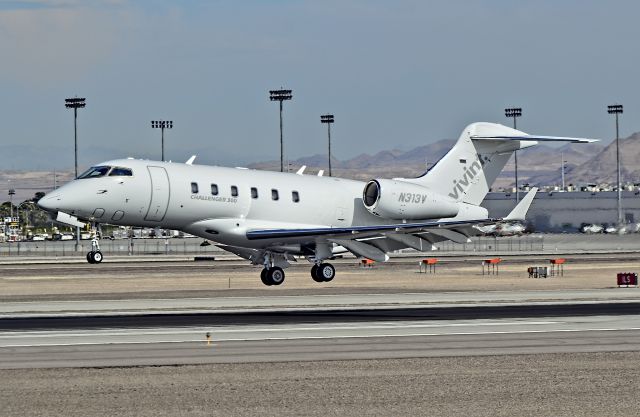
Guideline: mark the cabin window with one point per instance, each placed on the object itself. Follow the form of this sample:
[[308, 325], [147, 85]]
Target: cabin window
[[254, 192], [214, 189], [274, 194], [295, 196], [234, 191], [194, 187], [121, 172]]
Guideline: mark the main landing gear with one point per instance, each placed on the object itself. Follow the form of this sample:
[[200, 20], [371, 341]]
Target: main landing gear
[[324, 272], [272, 276]]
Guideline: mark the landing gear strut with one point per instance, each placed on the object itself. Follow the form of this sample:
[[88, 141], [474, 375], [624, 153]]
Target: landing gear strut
[[272, 276], [95, 256], [324, 272]]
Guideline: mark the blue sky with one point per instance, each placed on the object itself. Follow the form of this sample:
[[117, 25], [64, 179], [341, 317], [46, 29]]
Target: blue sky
[[396, 74]]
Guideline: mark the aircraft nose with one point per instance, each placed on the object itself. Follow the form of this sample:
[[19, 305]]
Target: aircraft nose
[[50, 202]]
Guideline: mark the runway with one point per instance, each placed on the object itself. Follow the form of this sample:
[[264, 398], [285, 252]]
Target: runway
[[131, 340], [171, 339]]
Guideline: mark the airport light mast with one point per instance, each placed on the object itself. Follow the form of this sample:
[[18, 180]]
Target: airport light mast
[[515, 112], [280, 95], [328, 119], [616, 109], [162, 125], [75, 104], [12, 192]]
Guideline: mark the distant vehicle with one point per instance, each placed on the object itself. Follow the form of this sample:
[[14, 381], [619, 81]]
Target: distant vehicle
[[270, 218], [37, 238], [66, 236], [592, 228], [611, 229]]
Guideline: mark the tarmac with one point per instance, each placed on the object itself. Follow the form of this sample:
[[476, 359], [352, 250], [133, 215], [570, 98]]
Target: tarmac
[[130, 338]]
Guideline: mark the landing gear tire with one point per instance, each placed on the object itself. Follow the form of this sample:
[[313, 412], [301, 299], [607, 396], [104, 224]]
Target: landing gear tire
[[94, 257], [275, 275], [324, 273], [272, 276], [263, 276], [314, 274]]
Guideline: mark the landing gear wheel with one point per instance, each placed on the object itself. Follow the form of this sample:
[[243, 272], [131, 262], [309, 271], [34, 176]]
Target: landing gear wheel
[[90, 258], [326, 272], [96, 257], [275, 275], [314, 274], [263, 276]]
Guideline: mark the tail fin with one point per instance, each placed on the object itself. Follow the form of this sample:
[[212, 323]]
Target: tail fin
[[469, 169]]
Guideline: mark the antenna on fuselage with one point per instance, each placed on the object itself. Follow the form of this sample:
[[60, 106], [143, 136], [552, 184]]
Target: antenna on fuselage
[[321, 172], [190, 161], [301, 170]]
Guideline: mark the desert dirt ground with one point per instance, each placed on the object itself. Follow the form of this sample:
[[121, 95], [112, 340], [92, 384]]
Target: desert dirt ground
[[188, 279], [593, 384]]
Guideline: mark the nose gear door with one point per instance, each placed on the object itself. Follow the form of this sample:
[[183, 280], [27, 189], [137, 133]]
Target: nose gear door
[[159, 194]]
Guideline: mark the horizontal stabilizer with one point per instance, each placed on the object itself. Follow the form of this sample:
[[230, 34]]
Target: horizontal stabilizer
[[536, 138], [519, 212]]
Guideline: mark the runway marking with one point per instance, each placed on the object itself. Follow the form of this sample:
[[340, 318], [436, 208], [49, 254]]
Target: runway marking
[[134, 332], [200, 340]]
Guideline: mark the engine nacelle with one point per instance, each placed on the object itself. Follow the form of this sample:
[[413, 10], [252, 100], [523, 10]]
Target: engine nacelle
[[401, 200]]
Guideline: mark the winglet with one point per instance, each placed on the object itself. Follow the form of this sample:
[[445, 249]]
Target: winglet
[[190, 161], [520, 210]]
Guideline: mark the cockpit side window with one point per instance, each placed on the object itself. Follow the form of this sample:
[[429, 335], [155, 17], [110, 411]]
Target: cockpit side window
[[95, 172], [121, 172]]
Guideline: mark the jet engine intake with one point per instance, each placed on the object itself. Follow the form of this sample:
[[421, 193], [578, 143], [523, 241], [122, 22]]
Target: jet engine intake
[[393, 199]]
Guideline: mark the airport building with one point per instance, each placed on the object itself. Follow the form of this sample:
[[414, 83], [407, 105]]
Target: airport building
[[558, 211]]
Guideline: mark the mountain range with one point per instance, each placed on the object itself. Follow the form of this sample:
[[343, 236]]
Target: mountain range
[[539, 165]]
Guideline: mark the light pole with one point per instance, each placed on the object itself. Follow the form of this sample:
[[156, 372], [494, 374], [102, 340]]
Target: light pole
[[12, 192], [562, 165], [616, 109], [514, 112], [162, 125], [75, 104], [280, 95], [328, 119]]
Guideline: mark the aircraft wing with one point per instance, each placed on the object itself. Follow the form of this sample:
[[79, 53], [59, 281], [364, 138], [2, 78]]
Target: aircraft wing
[[355, 232], [374, 241]]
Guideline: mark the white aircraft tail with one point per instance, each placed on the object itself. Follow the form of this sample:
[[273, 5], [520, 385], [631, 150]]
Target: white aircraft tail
[[469, 169]]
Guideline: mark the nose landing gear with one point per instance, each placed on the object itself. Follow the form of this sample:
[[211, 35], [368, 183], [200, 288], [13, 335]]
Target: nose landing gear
[[95, 256]]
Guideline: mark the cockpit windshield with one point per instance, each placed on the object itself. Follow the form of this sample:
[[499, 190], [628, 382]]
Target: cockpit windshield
[[120, 172], [95, 172], [103, 170]]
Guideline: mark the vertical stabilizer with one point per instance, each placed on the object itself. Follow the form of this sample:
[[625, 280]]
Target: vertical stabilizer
[[469, 169]]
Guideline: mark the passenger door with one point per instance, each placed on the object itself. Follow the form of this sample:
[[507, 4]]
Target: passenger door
[[159, 194]]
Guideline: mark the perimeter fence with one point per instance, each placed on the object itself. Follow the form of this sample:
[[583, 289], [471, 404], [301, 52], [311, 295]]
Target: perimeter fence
[[191, 246]]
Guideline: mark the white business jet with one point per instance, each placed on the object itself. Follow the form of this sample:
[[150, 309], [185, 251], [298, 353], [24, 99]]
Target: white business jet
[[270, 218]]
